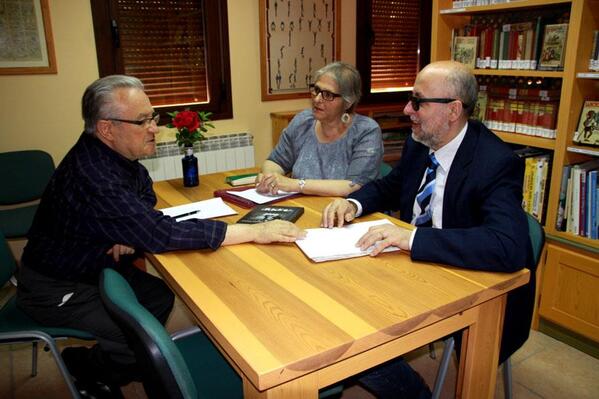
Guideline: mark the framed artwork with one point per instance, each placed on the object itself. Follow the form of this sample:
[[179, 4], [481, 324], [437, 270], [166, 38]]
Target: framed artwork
[[297, 37], [26, 44]]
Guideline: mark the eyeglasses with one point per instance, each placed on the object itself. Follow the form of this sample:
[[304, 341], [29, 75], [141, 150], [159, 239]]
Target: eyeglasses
[[326, 95], [145, 122], [416, 101]]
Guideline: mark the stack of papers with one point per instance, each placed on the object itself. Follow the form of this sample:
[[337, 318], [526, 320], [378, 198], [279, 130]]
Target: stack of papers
[[322, 244], [211, 208], [254, 196]]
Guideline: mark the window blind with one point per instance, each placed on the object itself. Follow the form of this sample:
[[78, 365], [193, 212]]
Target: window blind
[[162, 43], [394, 52]]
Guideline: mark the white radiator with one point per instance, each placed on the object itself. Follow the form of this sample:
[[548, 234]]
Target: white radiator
[[215, 154]]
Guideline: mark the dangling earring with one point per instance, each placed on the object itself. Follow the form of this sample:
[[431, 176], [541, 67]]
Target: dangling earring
[[345, 118]]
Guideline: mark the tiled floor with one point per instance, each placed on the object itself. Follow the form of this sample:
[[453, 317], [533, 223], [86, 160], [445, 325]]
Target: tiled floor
[[543, 368]]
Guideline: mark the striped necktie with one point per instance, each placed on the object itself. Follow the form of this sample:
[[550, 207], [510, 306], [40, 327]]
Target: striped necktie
[[426, 192]]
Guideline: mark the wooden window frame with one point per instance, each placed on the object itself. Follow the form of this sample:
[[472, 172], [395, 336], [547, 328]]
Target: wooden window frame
[[217, 56], [363, 44]]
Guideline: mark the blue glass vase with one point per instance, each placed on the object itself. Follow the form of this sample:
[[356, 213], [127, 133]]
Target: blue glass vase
[[191, 177]]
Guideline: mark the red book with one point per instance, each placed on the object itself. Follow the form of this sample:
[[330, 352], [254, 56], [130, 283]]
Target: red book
[[243, 202]]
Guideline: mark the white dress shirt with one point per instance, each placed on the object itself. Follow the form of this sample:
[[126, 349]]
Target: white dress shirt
[[444, 156]]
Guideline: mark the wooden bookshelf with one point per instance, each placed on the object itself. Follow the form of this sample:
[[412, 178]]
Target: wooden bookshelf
[[570, 274]]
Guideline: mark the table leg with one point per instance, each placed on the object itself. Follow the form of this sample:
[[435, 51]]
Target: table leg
[[480, 352]]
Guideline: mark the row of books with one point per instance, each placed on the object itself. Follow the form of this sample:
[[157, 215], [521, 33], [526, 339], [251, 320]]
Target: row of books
[[471, 3], [594, 61], [498, 42], [588, 125], [579, 200], [536, 180], [517, 107]]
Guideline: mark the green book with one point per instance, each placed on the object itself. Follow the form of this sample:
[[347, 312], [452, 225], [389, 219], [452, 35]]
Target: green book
[[240, 180]]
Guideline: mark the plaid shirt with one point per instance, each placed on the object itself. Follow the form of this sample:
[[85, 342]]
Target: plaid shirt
[[96, 199]]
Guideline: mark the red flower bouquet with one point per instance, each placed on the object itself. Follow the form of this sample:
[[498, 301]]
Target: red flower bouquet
[[190, 125]]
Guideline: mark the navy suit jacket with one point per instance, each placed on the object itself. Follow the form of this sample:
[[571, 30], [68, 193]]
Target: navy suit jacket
[[484, 225]]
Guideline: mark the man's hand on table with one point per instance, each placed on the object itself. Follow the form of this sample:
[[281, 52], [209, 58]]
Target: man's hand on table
[[263, 233], [386, 235], [337, 213]]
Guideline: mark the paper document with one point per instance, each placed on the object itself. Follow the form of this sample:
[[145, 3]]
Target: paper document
[[252, 195], [207, 209], [322, 244]]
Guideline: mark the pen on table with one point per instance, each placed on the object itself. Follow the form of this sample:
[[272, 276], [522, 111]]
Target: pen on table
[[186, 214]]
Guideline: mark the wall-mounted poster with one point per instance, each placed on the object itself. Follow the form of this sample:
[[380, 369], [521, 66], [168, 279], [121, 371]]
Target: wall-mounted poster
[[297, 38], [26, 44]]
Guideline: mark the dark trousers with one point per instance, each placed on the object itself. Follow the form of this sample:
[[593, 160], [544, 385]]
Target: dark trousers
[[59, 303]]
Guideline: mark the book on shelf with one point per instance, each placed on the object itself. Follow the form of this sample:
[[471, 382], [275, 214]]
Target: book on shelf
[[554, 47], [266, 213], [578, 213], [588, 124], [240, 180], [464, 50], [536, 180], [519, 106], [594, 58]]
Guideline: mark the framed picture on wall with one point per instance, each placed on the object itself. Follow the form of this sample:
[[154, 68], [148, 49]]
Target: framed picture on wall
[[26, 44], [297, 37]]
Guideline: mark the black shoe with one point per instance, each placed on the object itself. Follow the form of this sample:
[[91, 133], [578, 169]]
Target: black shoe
[[77, 362], [98, 390], [395, 380]]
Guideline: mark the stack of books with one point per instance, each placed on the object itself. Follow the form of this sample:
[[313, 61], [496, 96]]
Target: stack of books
[[578, 200]]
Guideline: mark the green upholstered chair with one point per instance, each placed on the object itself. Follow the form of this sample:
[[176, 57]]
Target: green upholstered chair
[[537, 241], [16, 326], [186, 365], [24, 177], [384, 169]]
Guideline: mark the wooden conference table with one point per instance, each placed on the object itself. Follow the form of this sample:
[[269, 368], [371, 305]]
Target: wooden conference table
[[290, 326]]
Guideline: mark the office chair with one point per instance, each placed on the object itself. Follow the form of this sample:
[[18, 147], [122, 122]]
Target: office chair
[[16, 326], [384, 169], [536, 235], [25, 175], [184, 366]]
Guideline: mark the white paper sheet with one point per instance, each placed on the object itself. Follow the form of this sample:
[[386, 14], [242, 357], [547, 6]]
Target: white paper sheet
[[207, 209], [258, 198], [322, 244]]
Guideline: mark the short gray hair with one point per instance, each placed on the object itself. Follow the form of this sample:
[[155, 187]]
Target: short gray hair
[[97, 101], [464, 86], [347, 78]]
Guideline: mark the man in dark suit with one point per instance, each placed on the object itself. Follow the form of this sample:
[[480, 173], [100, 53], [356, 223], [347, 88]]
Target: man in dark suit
[[462, 188]]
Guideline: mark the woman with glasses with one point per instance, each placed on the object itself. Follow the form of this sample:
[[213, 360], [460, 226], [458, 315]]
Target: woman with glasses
[[328, 149]]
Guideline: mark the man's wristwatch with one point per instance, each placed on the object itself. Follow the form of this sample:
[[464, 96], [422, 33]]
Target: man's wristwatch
[[301, 183]]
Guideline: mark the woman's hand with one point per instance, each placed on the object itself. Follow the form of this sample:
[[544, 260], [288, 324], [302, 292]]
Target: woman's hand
[[272, 183]]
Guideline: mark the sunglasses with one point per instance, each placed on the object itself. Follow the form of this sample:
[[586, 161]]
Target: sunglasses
[[326, 95], [416, 101]]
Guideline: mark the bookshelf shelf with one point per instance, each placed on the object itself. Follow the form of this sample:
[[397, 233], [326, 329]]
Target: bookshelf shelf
[[588, 75], [583, 150], [523, 139], [519, 72], [501, 7], [581, 242]]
